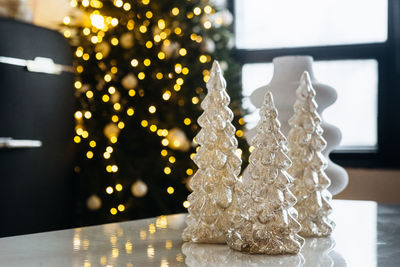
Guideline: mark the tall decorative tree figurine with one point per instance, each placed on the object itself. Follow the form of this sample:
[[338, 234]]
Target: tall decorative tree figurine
[[311, 182], [218, 166], [263, 217]]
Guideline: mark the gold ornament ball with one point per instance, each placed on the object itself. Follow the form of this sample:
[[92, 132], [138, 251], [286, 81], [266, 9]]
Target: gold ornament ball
[[129, 81], [111, 130], [139, 188], [93, 202], [177, 140]]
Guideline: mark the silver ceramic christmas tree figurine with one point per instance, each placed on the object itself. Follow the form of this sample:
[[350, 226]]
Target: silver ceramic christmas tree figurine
[[311, 182], [263, 217], [218, 164]]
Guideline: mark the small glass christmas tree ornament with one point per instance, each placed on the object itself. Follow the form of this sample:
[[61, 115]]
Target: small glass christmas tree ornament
[[305, 142], [263, 217], [218, 164]]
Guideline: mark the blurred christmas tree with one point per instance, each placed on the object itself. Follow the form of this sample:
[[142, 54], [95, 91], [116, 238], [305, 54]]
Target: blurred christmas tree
[[142, 68]]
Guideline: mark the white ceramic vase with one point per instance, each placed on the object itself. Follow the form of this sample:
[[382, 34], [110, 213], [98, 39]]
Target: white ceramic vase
[[285, 80]]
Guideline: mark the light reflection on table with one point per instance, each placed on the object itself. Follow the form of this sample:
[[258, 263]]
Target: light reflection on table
[[157, 242]]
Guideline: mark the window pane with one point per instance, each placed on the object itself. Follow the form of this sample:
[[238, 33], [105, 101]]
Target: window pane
[[293, 23], [355, 111]]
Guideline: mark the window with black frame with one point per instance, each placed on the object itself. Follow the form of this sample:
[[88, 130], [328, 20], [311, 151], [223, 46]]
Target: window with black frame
[[355, 45]]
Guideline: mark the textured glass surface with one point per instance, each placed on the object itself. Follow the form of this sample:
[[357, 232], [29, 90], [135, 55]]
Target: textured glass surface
[[305, 144], [263, 218], [356, 82], [218, 164], [292, 23]]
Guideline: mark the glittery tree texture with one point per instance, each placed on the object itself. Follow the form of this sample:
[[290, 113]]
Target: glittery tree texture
[[311, 183], [263, 217], [218, 166]]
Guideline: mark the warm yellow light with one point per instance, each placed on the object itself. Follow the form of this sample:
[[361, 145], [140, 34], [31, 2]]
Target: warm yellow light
[[206, 78], [172, 159], [114, 22], [78, 115], [114, 118], [157, 38], [153, 128], [167, 95], [121, 207], [189, 15], [132, 92], [94, 39], [241, 121], [143, 29], [118, 3], [163, 35], [107, 77], [161, 24], [77, 139], [107, 155], [192, 156], [144, 123], [134, 62], [207, 24], [67, 34], [109, 190], [239, 133], [170, 190], [127, 6], [86, 56], [88, 114], [130, 25], [195, 100], [117, 106], [177, 87], [113, 211], [66, 20], [145, 2], [89, 154], [118, 187], [152, 109], [165, 142], [159, 75], [163, 152], [78, 85], [86, 31], [177, 30], [189, 171], [182, 52], [111, 89], [141, 75], [130, 111], [114, 69], [147, 62], [161, 55], [178, 68], [187, 121], [207, 9], [108, 169], [251, 148], [165, 132], [79, 69], [203, 58], [99, 56], [149, 14], [185, 71], [175, 11], [79, 131], [197, 11], [186, 204], [92, 143], [85, 134], [73, 3], [121, 125], [149, 44], [113, 139], [97, 21], [114, 168], [179, 81], [114, 41], [167, 170]]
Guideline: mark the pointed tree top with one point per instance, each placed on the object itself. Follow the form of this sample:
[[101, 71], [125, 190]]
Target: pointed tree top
[[269, 101], [217, 80], [305, 88]]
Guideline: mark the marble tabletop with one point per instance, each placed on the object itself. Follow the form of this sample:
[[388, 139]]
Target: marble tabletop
[[367, 234]]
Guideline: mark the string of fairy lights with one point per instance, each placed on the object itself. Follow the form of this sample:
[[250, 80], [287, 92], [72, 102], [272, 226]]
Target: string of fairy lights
[[95, 30]]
